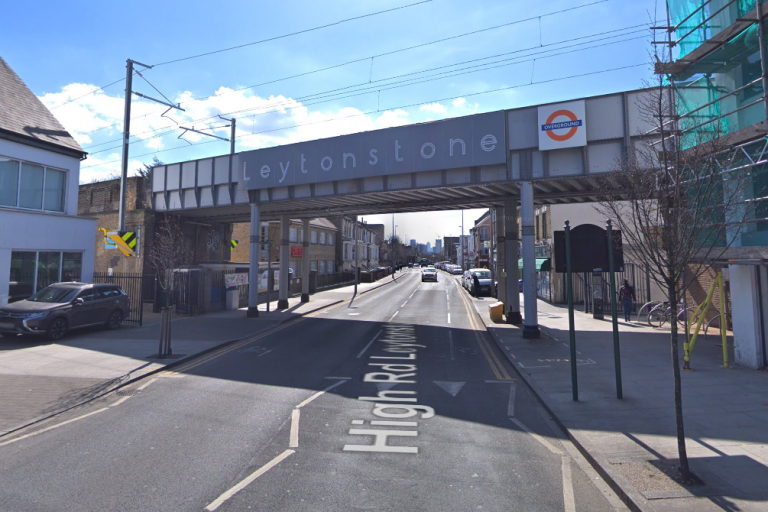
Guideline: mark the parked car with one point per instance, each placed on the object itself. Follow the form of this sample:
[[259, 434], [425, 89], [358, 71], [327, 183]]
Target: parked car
[[416, 265], [429, 274], [60, 307], [482, 284], [456, 270]]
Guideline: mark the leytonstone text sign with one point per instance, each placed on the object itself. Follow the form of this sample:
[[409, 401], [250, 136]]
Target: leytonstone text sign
[[462, 142]]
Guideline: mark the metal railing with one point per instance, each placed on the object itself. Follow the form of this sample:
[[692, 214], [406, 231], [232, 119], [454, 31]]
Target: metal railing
[[132, 283]]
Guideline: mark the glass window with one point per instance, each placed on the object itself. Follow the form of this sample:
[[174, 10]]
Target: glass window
[[293, 234], [322, 237], [294, 266], [313, 236], [108, 292], [72, 266], [31, 186], [54, 294], [330, 266], [22, 279], [9, 181], [55, 185], [330, 238], [47, 269], [322, 267], [313, 265], [87, 295]]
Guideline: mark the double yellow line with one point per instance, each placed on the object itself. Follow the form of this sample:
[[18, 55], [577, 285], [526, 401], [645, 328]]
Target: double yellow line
[[482, 341]]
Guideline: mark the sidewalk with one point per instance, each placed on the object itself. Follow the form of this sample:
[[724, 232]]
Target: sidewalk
[[632, 442], [39, 379]]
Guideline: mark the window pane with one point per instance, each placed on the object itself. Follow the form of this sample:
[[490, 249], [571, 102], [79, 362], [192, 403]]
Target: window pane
[[31, 193], [293, 235], [73, 266], [322, 237], [9, 181], [54, 190], [313, 236], [47, 269], [22, 281]]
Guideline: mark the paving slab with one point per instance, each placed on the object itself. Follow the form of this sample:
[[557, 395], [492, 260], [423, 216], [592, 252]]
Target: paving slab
[[632, 442]]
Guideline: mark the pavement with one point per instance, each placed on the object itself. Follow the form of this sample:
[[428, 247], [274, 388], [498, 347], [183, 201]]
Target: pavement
[[39, 379], [632, 442]]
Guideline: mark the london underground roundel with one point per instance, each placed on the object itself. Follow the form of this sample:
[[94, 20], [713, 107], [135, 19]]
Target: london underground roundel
[[562, 125]]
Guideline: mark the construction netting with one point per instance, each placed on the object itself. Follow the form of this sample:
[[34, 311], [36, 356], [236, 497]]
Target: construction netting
[[696, 21]]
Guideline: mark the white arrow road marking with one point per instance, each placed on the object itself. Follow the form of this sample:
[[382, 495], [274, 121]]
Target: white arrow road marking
[[452, 388]]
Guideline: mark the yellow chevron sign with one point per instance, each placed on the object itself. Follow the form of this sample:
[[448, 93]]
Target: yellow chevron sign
[[121, 244], [234, 243], [129, 237]]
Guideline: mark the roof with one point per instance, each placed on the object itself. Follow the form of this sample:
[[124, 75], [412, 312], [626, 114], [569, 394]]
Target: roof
[[24, 118]]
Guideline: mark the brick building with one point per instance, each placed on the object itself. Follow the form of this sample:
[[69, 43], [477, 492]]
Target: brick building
[[206, 242], [323, 238]]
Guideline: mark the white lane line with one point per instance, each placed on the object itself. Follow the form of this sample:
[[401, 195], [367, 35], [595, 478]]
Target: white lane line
[[343, 378], [511, 403], [265, 353], [393, 316], [294, 438], [120, 401], [568, 499], [450, 342], [320, 393], [449, 318], [404, 303], [249, 479], [537, 437], [411, 295], [368, 345], [53, 427], [146, 385]]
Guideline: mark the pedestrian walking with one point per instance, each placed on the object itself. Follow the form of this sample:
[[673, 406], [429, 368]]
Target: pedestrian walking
[[627, 298]]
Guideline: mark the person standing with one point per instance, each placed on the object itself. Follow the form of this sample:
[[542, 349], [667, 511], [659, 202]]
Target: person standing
[[627, 298]]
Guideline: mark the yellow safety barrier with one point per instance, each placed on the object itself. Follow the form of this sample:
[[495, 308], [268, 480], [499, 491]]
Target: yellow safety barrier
[[700, 315], [496, 311]]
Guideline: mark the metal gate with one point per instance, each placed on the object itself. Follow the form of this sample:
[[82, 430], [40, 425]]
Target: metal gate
[[132, 283]]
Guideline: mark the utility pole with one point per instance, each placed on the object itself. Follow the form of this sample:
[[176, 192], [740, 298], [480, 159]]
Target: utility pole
[[127, 131]]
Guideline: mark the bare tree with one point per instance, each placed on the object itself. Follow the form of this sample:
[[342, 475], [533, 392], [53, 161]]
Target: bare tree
[[678, 206], [168, 252]]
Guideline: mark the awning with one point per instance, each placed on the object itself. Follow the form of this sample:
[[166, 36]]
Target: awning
[[542, 264]]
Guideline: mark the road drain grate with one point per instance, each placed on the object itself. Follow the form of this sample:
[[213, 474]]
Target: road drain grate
[[127, 392]]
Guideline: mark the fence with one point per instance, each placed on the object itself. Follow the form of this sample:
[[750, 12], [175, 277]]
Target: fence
[[636, 276], [329, 280], [133, 285]]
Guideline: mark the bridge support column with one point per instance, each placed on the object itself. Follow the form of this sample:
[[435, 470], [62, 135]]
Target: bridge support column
[[285, 275], [512, 292], [305, 262], [253, 264], [531, 321]]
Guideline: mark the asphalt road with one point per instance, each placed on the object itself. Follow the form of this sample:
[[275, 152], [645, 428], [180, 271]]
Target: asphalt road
[[398, 401]]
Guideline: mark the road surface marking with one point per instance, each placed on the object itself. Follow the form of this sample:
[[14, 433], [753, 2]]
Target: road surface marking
[[368, 345], [294, 438], [512, 389], [452, 388], [145, 385], [320, 393], [120, 401], [449, 318], [53, 426], [404, 303], [537, 437], [393, 316], [249, 479], [568, 499], [353, 314], [450, 343], [343, 378]]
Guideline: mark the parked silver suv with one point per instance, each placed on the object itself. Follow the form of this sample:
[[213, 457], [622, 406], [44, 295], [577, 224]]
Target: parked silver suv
[[56, 309]]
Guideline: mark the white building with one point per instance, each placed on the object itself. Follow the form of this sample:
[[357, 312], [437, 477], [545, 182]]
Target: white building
[[42, 240]]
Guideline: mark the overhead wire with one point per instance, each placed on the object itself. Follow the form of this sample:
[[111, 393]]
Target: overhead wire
[[629, 66], [367, 88]]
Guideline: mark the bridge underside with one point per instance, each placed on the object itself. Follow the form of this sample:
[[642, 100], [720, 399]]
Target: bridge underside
[[548, 191]]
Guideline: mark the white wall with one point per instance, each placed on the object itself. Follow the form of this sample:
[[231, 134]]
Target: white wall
[[747, 342]]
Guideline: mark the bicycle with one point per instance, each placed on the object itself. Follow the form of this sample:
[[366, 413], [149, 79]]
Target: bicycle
[[662, 313], [646, 308]]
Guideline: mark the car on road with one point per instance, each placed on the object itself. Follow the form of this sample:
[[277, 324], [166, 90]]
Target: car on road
[[416, 265], [478, 281], [456, 270], [61, 307], [429, 274]]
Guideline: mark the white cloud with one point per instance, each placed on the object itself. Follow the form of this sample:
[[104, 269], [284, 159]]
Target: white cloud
[[434, 107], [458, 102]]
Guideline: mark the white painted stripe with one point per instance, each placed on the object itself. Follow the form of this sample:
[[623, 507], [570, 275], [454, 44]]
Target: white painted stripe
[[120, 401], [393, 316], [449, 318], [568, 499], [319, 393], [450, 343], [294, 439], [53, 427], [265, 353], [248, 480], [511, 404], [537, 437], [404, 303], [145, 385], [368, 345], [343, 378]]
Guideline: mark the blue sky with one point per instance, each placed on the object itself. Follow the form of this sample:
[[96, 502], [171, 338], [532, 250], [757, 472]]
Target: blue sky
[[66, 52]]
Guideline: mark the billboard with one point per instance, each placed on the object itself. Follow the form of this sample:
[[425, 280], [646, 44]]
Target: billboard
[[454, 143], [589, 250], [563, 125]]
